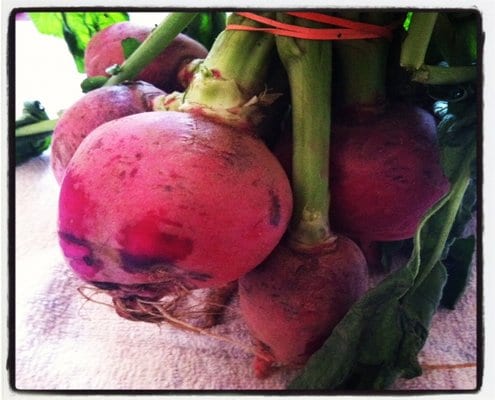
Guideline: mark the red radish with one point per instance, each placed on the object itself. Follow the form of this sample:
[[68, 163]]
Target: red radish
[[160, 200], [105, 50], [386, 172], [93, 109], [295, 298]]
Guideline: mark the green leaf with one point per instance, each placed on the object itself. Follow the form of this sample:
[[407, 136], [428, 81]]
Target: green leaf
[[129, 45], [407, 21], [458, 264], [33, 111], [335, 363], [33, 145], [418, 309], [205, 27], [76, 28]]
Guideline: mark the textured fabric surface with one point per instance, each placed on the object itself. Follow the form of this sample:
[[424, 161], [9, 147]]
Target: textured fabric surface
[[63, 341]]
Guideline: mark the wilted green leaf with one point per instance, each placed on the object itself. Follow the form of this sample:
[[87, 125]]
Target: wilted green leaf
[[458, 264], [76, 28], [33, 145], [206, 26]]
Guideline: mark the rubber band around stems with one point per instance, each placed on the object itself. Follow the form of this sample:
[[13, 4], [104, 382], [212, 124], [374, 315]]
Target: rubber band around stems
[[346, 29]]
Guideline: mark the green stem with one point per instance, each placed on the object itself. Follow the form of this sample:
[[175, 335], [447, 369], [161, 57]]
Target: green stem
[[416, 44], [241, 56], [308, 65], [235, 68], [436, 75], [362, 67], [228, 86], [449, 209], [154, 44], [36, 128]]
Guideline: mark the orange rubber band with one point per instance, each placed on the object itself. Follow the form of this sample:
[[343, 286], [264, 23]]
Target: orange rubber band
[[347, 30], [382, 31]]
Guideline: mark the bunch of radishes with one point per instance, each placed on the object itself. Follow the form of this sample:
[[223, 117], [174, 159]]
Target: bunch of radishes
[[162, 192]]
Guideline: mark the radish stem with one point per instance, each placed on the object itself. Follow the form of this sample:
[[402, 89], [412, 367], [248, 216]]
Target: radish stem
[[240, 55], [36, 128], [308, 65], [416, 44], [437, 75], [362, 65], [234, 69], [155, 43]]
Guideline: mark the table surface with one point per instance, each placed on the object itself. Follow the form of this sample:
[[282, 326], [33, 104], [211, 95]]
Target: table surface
[[63, 341]]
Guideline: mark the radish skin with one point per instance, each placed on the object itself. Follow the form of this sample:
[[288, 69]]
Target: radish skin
[[164, 200], [295, 298], [92, 110]]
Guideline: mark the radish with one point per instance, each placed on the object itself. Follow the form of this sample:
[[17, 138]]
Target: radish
[[385, 159], [295, 298], [155, 202], [93, 109], [105, 50]]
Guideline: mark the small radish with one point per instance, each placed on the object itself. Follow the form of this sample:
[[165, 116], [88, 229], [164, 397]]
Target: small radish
[[92, 110], [105, 50]]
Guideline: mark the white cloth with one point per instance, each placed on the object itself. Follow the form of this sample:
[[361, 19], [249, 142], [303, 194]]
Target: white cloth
[[64, 341]]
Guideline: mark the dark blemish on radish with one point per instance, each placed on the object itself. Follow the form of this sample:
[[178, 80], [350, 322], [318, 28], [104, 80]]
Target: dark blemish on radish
[[122, 174], [89, 260], [199, 276], [144, 245], [173, 223], [138, 156], [133, 172], [168, 188], [274, 209], [105, 285], [175, 175], [69, 237], [134, 263]]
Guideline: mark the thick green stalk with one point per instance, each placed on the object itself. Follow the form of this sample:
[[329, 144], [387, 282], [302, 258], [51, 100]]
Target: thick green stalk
[[235, 68], [416, 44], [362, 66], [241, 56], [308, 65], [154, 44], [228, 86]]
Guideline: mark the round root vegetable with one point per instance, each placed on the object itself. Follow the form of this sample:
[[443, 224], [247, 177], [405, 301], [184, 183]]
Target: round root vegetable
[[386, 174], [295, 298], [93, 109], [158, 201], [105, 50]]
